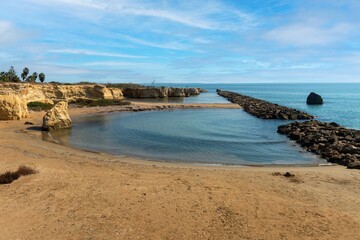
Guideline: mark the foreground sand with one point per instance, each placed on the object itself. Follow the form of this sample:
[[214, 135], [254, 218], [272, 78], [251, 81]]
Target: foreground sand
[[83, 195]]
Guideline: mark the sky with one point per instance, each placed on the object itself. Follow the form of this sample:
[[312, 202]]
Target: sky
[[183, 41]]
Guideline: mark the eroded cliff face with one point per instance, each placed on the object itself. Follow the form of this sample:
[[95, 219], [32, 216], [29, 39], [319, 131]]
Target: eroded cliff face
[[50, 92], [160, 92], [12, 107]]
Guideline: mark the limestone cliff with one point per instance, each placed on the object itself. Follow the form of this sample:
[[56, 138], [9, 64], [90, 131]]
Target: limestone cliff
[[160, 92], [50, 92], [12, 107]]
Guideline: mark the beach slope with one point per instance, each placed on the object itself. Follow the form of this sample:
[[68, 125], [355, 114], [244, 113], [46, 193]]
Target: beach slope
[[85, 195]]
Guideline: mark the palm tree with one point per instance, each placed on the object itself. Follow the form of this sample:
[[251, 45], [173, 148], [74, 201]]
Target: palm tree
[[24, 73], [42, 77], [34, 77]]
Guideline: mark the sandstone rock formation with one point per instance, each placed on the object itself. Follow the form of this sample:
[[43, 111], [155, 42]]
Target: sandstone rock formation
[[160, 92], [57, 118], [329, 140], [12, 107], [263, 109], [314, 99], [47, 93]]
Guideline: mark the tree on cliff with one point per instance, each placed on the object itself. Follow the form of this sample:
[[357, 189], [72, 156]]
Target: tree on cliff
[[34, 76], [42, 77], [25, 73], [9, 76]]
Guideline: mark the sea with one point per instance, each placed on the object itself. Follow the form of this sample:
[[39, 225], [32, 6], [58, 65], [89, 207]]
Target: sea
[[215, 136]]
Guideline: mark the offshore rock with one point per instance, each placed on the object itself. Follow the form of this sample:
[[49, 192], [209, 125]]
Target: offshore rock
[[263, 109], [57, 117], [314, 99], [329, 140], [12, 107]]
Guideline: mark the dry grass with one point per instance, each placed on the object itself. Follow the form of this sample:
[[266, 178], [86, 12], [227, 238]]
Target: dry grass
[[9, 177]]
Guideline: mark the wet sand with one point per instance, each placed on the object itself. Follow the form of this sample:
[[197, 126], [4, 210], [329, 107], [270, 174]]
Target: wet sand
[[84, 195]]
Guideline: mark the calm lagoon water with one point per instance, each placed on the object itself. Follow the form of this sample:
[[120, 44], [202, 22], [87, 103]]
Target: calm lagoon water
[[224, 136]]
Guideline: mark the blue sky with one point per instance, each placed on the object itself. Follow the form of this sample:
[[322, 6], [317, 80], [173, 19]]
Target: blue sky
[[183, 41]]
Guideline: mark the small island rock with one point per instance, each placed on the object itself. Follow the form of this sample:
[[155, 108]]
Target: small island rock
[[314, 99], [57, 117]]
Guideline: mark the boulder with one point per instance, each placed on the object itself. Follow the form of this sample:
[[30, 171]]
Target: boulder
[[329, 140], [57, 117], [12, 107], [177, 92], [314, 99]]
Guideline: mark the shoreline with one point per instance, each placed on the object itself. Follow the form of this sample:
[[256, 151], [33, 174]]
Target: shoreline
[[150, 106], [79, 194]]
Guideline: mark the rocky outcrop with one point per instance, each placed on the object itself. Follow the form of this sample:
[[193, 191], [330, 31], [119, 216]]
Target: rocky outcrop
[[314, 99], [12, 107], [47, 93], [57, 117], [263, 109], [160, 92], [329, 140]]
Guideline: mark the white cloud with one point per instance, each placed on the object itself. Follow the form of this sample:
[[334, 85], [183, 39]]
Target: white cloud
[[9, 34], [93, 53], [124, 64], [209, 15], [305, 34], [172, 45]]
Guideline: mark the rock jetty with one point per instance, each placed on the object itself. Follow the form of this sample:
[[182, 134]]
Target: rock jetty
[[329, 140], [263, 109], [314, 99]]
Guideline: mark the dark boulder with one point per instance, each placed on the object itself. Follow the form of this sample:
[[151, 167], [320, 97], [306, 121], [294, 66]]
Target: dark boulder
[[314, 99]]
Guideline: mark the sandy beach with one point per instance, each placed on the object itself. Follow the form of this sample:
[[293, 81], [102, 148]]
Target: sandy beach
[[84, 195]]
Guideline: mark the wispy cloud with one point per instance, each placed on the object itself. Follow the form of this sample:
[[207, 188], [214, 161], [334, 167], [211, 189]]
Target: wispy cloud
[[303, 34], [138, 65], [211, 15], [172, 45], [9, 33], [178, 40], [92, 53]]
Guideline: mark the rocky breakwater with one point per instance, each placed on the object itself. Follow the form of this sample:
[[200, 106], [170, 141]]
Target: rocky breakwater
[[49, 92], [329, 140], [263, 109], [160, 92]]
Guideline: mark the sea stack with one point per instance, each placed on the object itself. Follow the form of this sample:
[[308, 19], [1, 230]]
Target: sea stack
[[57, 117], [314, 99]]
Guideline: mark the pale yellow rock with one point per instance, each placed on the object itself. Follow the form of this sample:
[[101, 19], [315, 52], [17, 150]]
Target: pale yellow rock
[[12, 107], [47, 93], [57, 117]]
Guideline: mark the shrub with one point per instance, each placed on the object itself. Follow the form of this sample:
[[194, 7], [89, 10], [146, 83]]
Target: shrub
[[9, 76], [25, 170], [39, 106], [100, 102], [9, 177]]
